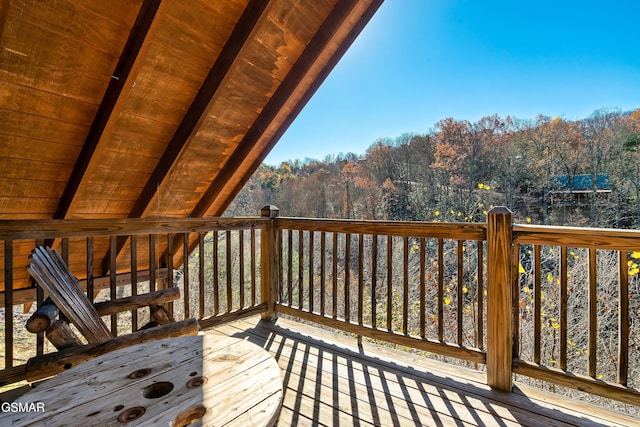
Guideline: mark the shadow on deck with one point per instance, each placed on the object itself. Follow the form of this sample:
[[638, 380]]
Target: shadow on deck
[[329, 380]]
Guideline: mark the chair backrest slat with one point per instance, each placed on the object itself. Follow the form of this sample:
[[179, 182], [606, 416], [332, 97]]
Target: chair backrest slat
[[51, 272]]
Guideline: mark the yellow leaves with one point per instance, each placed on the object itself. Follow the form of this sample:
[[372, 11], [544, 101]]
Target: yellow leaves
[[528, 220], [464, 289], [436, 213], [521, 269], [599, 376], [485, 187], [480, 185], [447, 301], [549, 278], [635, 255], [555, 325], [633, 267]]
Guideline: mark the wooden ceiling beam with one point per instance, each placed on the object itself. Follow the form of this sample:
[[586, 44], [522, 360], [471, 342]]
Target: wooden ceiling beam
[[239, 37], [333, 61], [286, 89], [4, 11], [105, 114]]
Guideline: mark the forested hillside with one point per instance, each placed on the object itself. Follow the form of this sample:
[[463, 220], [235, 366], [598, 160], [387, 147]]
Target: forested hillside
[[547, 170]]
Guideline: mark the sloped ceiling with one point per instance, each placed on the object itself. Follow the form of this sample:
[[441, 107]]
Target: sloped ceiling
[[163, 108]]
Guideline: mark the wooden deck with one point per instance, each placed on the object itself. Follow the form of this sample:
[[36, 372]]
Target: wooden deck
[[329, 380]]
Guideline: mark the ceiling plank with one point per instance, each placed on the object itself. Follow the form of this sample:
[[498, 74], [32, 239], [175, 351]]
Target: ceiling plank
[[239, 37], [106, 111], [299, 70]]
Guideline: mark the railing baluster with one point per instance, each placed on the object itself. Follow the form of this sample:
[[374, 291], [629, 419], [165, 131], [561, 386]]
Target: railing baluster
[[374, 279], [440, 290], [480, 298], [311, 271], [515, 295], [300, 269], [347, 277], [8, 304], [185, 271], [405, 287], [623, 318], [323, 239], [40, 298], [537, 304], [290, 268], [241, 266], [564, 279], [113, 285], [133, 256], [216, 272], [360, 276], [229, 271], [389, 282], [253, 266], [152, 262], [334, 291], [170, 268], [201, 275], [65, 250], [593, 314], [90, 266], [460, 285], [422, 288]]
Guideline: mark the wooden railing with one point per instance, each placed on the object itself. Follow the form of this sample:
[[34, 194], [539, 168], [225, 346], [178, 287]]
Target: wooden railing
[[430, 286], [576, 296], [557, 304], [129, 257], [419, 285]]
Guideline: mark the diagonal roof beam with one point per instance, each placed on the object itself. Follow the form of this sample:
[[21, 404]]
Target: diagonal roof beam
[[104, 116], [299, 70], [4, 11], [239, 37], [333, 61]]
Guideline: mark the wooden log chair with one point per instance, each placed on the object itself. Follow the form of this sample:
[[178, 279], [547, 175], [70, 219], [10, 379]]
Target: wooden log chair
[[67, 302]]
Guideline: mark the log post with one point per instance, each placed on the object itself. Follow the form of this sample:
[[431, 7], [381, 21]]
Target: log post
[[269, 261], [499, 299], [43, 317]]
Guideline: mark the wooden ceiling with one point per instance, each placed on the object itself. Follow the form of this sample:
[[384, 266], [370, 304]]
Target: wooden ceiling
[[154, 108]]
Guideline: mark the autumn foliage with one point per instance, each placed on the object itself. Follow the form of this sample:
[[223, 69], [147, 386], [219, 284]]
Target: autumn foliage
[[461, 169]]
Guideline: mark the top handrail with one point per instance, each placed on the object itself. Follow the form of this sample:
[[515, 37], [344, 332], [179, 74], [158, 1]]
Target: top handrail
[[63, 228], [455, 231]]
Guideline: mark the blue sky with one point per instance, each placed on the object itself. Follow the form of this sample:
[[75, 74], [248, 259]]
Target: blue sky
[[419, 61]]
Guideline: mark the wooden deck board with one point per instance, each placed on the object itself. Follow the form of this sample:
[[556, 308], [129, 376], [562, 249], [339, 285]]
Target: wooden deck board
[[329, 380]]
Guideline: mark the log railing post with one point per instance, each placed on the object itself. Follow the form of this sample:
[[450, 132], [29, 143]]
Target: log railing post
[[269, 275], [499, 299]]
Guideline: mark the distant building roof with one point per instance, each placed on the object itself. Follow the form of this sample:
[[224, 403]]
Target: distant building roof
[[580, 183]]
